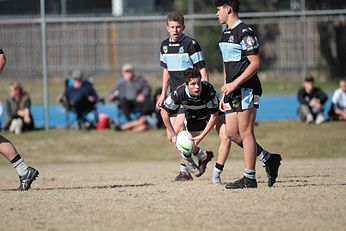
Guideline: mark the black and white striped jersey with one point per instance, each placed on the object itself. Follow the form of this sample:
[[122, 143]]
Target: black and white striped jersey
[[196, 107], [236, 44], [179, 56]]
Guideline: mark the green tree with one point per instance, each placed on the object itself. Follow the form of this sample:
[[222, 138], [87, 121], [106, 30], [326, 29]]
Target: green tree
[[332, 38]]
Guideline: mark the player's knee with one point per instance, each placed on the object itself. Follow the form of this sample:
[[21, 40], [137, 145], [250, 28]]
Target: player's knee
[[232, 136], [245, 134], [224, 138]]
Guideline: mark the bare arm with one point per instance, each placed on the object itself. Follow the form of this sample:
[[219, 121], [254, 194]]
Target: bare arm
[[204, 74], [254, 66], [166, 120], [165, 85], [222, 104], [2, 62], [211, 123]]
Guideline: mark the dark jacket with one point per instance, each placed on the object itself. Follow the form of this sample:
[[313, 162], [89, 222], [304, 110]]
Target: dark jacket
[[317, 93]]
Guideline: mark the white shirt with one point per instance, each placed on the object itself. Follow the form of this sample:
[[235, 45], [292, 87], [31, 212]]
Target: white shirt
[[339, 99]]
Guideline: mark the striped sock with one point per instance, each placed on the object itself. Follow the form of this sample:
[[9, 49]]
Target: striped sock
[[200, 154], [264, 156], [250, 173], [19, 164]]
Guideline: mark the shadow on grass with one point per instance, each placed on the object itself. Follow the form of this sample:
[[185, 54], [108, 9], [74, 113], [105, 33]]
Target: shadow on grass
[[87, 187]]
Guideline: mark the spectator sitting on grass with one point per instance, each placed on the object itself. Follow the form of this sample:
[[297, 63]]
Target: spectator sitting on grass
[[338, 108], [18, 104], [151, 118], [311, 102]]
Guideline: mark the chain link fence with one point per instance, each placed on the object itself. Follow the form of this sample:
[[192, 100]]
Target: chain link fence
[[290, 43]]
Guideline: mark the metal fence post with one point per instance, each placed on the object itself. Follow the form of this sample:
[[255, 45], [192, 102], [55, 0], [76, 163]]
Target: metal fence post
[[44, 64]]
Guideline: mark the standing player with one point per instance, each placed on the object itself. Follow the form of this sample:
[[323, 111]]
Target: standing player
[[201, 104], [177, 53], [242, 88], [26, 173]]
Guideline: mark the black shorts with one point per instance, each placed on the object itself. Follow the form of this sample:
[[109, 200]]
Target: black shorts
[[3, 140], [196, 125]]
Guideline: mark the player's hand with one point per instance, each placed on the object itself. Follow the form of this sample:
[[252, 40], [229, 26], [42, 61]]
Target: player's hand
[[228, 88], [222, 107], [174, 140], [140, 98], [91, 98], [222, 104], [160, 101], [197, 139]]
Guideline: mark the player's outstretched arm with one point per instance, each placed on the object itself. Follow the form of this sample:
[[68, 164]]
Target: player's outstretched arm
[[211, 123], [2, 61], [166, 120]]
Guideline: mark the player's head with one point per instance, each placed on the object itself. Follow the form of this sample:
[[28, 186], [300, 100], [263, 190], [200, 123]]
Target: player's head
[[232, 3], [175, 25], [225, 8], [128, 71], [309, 83], [192, 79], [77, 76], [16, 90], [342, 84]]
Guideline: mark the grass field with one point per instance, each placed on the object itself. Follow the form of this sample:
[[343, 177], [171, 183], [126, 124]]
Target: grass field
[[106, 180]]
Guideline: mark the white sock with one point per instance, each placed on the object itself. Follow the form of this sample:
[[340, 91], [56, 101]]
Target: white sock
[[183, 168], [21, 167], [215, 178], [217, 171]]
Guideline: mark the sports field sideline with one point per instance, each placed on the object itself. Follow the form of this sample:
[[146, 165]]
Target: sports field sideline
[[106, 180]]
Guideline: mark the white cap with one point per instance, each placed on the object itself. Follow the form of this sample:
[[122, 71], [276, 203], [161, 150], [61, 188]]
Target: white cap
[[77, 74], [127, 67]]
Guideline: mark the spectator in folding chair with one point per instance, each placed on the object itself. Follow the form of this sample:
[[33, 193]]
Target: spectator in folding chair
[[132, 93], [80, 97]]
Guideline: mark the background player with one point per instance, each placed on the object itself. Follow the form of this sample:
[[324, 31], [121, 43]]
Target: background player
[[177, 53], [26, 173], [242, 88]]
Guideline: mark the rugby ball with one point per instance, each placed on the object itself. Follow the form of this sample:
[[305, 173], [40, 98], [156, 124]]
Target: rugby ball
[[184, 142]]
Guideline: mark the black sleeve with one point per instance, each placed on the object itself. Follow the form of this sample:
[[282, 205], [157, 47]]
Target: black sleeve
[[300, 96], [174, 100], [249, 42], [196, 54], [169, 105], [322, 96], [27, 102], [163, 51], [9, 109]]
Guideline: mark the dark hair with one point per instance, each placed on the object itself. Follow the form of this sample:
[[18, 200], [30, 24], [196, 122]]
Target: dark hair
[[232, 3], [309, 78], [191, 73], [176, 16]]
